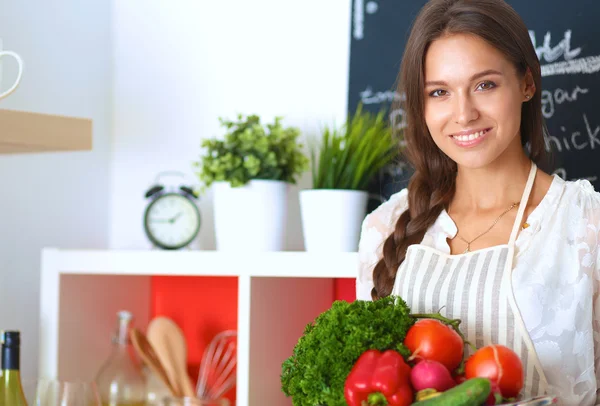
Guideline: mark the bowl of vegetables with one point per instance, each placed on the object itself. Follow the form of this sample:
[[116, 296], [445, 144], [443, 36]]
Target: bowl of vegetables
[[370, 353]]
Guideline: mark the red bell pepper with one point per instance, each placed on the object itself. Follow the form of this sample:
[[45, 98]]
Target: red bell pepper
[[379, 379]]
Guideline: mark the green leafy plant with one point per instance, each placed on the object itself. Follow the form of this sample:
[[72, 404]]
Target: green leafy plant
[[349, 157], [249, 150], [324, 355]]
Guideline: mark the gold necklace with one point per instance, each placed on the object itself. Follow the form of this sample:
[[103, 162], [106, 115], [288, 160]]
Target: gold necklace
[[512, 206]]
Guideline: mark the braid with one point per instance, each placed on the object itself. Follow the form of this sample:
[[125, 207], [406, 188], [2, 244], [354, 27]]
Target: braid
[[425, 205]]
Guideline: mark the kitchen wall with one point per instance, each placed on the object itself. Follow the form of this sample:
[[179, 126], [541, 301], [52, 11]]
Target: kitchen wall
[[181, 65], [52, 199], [154, 76]]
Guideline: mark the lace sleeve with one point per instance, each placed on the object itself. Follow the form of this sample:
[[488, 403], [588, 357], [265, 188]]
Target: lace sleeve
[[376, 227], [589, 249]]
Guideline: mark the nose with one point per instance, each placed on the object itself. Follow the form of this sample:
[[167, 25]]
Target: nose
[[465, 110]]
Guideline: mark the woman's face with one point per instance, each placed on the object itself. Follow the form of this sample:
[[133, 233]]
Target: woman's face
[[473, 98]]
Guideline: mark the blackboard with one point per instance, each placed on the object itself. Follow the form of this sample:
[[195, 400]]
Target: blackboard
[[566, 35]]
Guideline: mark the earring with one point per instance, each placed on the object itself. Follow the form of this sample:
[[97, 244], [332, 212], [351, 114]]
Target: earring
[[527, 96]]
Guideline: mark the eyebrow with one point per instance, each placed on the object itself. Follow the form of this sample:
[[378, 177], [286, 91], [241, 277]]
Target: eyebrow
[[474, 77]]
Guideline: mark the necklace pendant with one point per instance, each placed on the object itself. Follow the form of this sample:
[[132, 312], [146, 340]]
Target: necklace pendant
[[467, 250]]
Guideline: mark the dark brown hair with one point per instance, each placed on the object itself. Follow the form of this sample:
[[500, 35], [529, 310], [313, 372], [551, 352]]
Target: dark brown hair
[[432, 185]]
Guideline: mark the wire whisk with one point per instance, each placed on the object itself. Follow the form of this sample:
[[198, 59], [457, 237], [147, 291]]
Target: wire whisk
[[218, 366]]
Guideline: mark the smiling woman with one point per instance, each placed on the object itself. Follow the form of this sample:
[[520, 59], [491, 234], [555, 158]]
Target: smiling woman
[[481, 231], [477, 104]]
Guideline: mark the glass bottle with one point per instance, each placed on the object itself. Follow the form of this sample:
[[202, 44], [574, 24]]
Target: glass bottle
[[11, 390], [120, 380]]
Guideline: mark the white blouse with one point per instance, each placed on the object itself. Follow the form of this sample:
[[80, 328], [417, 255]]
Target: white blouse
[[556, 279]]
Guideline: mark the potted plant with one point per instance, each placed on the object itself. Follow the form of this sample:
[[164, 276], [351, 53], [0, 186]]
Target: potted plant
[[343, 163], [250, 170]]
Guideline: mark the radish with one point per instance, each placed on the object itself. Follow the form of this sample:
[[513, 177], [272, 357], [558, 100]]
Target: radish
[[495, 397], [428, 374]]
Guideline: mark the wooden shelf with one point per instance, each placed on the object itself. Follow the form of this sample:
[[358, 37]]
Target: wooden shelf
[[27, 132]]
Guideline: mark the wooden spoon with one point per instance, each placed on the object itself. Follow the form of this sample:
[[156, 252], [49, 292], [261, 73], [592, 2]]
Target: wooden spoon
[[169, 343], [148, 355]]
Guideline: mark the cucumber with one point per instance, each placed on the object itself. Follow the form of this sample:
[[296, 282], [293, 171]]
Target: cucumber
[[472, 392]]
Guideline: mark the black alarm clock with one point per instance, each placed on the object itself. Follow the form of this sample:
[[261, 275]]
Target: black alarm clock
[[172, 218]]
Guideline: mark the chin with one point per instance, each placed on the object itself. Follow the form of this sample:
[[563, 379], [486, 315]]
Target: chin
[[473, 160], [472, 165]]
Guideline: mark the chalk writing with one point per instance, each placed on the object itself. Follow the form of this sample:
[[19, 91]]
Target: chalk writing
[[576, 140], [372, 7], [369, 97], [558, 96], [397, 119], [590, 64], [570, 66], [359, 16], [359, 19], [550, 54]]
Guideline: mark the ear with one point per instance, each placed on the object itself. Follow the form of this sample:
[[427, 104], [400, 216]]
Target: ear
[[528, 86]]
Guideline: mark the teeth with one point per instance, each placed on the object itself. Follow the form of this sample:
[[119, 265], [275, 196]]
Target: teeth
[[469, 137]]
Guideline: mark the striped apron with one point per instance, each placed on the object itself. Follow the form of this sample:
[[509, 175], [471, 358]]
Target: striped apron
[[475, 287]]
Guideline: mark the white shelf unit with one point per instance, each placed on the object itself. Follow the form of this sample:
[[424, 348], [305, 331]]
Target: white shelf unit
[[278, 294]]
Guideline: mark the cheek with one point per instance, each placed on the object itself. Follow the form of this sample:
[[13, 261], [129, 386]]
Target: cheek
[[506, 111], [436, 118]]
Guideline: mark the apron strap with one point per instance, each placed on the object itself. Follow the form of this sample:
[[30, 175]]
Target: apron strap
[[519, 322], [523, 204]]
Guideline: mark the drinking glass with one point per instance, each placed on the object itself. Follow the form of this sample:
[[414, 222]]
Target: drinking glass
[[61, 393]]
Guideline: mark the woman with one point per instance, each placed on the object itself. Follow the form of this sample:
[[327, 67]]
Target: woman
[[481, 231]]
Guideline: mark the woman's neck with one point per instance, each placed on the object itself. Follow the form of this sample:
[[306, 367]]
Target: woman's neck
[[494, 186]]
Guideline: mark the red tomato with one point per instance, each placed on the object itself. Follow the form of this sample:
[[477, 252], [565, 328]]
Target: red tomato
[[433, 340], [501, 365]]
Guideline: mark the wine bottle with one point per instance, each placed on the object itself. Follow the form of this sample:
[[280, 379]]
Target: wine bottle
[[11, 389]]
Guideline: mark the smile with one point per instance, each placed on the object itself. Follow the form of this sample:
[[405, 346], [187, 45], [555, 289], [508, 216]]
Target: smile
[[467, 139], [470, 137]]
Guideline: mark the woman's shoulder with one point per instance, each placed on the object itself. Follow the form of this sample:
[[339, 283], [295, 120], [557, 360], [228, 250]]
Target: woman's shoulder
[[384, 217], [572, 208], [378, 225], [582, 194], [579, 214]]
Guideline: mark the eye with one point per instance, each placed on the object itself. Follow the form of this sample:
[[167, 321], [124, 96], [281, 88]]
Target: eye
[[487, 85], [437, 93]]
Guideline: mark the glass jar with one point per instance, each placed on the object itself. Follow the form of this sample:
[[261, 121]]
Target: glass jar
[[120, 380], [170, 401], [156, 390]]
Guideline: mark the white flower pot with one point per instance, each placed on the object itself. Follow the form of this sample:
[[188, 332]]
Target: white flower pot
[[251, 217], [332, 219]]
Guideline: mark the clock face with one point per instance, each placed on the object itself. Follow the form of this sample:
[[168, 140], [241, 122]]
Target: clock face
[[172, 221]]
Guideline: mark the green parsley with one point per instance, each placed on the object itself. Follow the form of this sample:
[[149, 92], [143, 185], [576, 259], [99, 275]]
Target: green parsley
[[324, 355]]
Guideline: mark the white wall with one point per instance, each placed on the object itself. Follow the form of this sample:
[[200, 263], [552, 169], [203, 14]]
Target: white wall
[[53, 199], [181, 65], [155, 82]]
